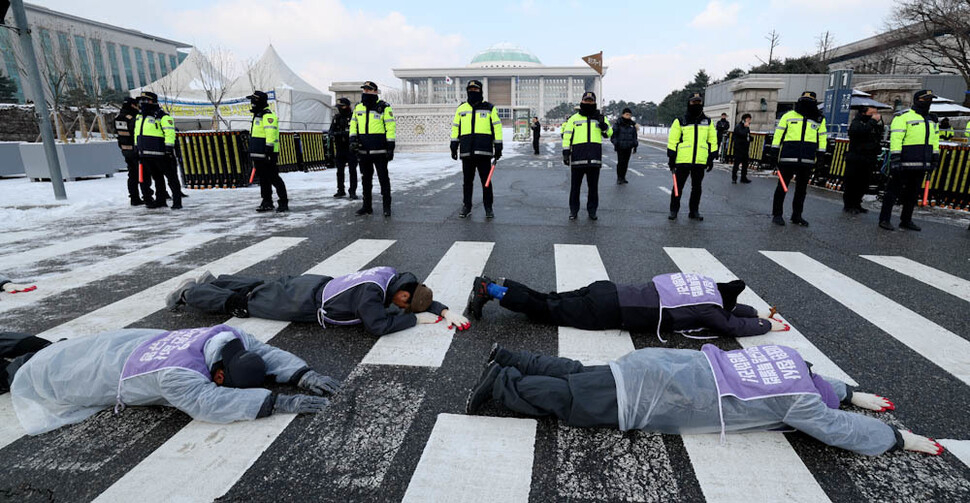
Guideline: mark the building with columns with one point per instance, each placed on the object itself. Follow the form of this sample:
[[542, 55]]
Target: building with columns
[[512, 76]]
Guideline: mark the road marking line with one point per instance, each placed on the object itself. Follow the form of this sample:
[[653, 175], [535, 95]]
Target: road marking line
[[135, 307], [940, 346], [16, 260], [475, 458], [772, 468], [100, 270], [666, 190], [451, 279], [959, 448], [13, 237], [208, 459], [946, 282], [635, 172], [578, 266]]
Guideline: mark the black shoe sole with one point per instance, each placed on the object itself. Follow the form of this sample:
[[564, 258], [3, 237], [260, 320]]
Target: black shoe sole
[[482, 392], [478, 297], [492, 353]]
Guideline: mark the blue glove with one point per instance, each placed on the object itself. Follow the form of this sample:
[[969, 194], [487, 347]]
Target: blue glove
[[300, 404], [319, 384]]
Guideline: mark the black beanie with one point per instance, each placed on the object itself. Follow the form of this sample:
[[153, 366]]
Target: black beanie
[[729, 293], [243, 369]]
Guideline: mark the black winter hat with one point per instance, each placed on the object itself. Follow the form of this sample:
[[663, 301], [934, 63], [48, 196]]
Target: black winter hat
[[243, 369], [729, 293], [626, 111], [343, 101]]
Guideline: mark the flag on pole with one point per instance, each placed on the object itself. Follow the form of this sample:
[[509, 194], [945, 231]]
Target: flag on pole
[[595, 61], [448, 80]]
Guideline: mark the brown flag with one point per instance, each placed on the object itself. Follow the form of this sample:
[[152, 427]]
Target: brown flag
[[595, 61]]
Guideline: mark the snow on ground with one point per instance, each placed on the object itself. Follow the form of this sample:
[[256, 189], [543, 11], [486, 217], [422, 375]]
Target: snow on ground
[[100, 205]]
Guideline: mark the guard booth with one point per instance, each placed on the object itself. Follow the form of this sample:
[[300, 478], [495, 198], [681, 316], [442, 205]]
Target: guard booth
[[521, 116]]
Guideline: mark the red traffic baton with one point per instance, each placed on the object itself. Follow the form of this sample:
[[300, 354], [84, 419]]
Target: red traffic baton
[[781, 179], [491, 172], [141, 173], [926, 190], [252, 175], [676, 191]]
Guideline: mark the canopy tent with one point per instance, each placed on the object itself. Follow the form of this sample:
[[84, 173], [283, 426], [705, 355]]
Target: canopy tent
[[185, 94], [947, 108], [862, 99]]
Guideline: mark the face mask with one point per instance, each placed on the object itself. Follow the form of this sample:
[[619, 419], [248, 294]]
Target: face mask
[[922, 107], [344, 110], [587, 108], [475, 97], [695, 109], [368, 100]]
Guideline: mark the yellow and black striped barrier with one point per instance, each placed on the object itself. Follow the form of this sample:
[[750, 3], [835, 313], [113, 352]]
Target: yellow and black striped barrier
[[302, 151], [214, 159], [755, 148], [950, 183]]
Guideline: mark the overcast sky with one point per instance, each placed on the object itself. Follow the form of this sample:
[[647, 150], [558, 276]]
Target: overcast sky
[[650, 48]]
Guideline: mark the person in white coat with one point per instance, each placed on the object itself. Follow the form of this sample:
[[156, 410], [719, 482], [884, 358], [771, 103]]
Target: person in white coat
[[212, 374]]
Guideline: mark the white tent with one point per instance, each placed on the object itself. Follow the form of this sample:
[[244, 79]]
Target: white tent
[[183, 93], [299, 105]]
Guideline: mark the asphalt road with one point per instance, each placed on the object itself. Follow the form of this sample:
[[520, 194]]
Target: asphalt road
[[368, 445]]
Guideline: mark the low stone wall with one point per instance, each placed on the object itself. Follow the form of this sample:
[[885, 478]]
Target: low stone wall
[[17, 123], [424, 128]]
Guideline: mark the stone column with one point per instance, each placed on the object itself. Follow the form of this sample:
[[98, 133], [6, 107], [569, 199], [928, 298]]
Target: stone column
[[485, 90], [569, 89], [430, 90], [541, 112]]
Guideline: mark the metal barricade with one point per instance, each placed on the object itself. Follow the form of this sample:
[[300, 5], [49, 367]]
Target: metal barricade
[[755, 148], [303, 151], [950, 183], [214, 159]]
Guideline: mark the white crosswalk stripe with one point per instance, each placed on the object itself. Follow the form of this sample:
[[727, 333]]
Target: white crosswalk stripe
[[17, 236], [207, 459], [948, 283], [135, 307], [81, 276], [18, 260], [426, 345], [940, 346]]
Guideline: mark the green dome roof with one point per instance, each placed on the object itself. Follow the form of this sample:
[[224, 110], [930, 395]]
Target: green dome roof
[[505, 55]]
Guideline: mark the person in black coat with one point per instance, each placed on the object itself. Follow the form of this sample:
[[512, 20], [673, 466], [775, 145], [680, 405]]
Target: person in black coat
[[722, 127], [625, 142], [742, 142], [343, 155], [124, 126], [865, 144], [536, 128], [604, 305]]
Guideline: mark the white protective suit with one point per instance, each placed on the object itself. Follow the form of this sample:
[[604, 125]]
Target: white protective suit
[[72, 380], [674, 391]]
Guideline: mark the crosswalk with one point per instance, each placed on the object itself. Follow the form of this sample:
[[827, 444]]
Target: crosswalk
[[387, 436]]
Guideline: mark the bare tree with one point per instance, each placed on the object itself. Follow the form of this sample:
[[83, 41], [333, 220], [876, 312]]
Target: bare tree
[[824, 43], [218, 71], [257, 75], [774, 39], [933, 35]]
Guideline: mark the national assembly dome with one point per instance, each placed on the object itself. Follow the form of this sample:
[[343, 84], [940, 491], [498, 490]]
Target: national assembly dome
[[505, 55]]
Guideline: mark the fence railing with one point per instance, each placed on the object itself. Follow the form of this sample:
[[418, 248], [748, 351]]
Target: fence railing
[[214, 159]]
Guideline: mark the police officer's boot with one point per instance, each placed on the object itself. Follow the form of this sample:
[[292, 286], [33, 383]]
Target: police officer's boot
[[797, 219], [136, 201], [283, 206], [265, 206]]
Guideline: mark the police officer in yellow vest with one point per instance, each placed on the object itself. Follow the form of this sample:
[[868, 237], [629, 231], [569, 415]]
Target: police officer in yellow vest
[[797, 146], [264, 150], [691, 147], [582, 151], [155, 140], [914, 152], [477, 132], [372, 134], [946, 130]]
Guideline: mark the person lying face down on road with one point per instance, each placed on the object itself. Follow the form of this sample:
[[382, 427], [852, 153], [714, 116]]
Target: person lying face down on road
[[678, 302], [384, 300], [213, 374], [681, 391]]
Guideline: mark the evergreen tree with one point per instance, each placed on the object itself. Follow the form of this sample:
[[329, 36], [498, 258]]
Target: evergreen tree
[[8, 90]]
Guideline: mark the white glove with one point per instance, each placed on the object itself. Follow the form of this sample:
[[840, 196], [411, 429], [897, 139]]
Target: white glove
[[872, 402], [919, 443], [427, 317], [18, 288], [778, 326], [455, 320]]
